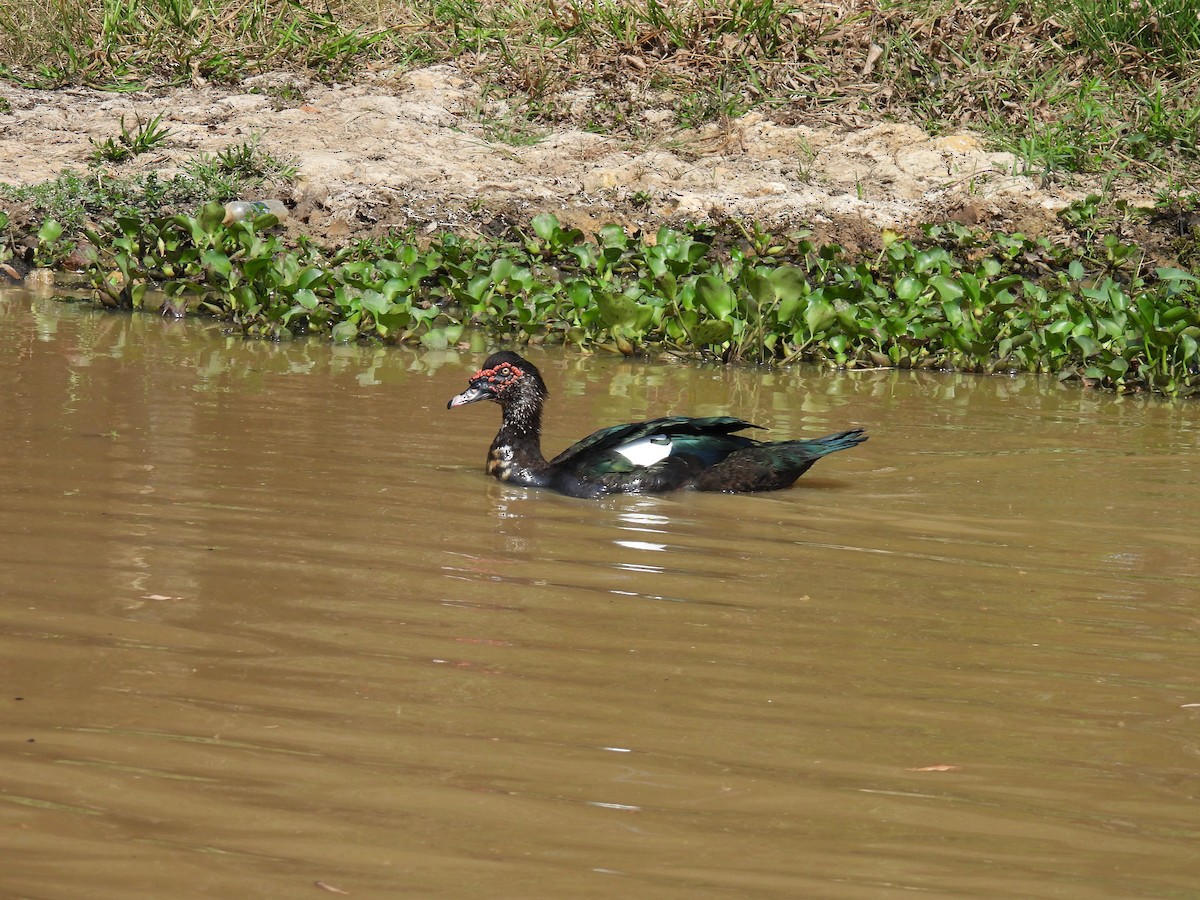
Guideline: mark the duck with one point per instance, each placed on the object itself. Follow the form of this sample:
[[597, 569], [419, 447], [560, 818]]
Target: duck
[[659, 455]]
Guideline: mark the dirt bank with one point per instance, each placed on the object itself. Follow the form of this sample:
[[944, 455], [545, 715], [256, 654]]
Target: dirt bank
[[415, 150]]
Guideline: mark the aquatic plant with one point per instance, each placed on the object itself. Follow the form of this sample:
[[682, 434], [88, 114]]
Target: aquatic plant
[[957, 299]]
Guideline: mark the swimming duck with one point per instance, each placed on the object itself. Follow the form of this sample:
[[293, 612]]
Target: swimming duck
[[667, 454]]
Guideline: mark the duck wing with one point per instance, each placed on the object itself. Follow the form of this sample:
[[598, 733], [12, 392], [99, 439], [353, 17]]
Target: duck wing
[[674, 433], [771, 466]]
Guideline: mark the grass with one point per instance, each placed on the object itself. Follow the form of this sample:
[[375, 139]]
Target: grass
[[1166, 30], [75, 198], [145, 136], [1089, 86], [126, 44]]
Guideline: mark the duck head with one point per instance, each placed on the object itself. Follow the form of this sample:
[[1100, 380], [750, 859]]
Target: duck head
[[505, 378], [516, 385]]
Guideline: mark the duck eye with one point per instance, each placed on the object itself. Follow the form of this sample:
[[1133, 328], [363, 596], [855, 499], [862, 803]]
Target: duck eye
[[505, 373]]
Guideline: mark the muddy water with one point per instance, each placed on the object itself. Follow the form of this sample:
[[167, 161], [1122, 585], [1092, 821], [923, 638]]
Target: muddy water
[[266, 628]]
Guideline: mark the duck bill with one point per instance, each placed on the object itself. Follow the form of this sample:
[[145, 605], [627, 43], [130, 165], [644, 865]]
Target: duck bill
[[470, 395]]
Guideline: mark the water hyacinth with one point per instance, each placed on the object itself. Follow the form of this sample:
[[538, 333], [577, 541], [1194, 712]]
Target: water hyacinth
[[958, 300]]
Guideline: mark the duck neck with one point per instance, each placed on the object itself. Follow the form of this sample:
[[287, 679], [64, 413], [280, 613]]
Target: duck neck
[[516, 453]]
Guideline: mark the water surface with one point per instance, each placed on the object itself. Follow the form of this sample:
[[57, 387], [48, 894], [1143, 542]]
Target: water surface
[[266, 628]]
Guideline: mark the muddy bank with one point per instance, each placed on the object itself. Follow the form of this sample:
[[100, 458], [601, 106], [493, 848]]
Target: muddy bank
[[414, 150]]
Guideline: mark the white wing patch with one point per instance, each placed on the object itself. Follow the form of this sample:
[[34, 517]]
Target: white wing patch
[[646, 451]]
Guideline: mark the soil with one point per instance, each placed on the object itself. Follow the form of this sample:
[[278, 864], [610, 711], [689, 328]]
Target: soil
[[420, 150]]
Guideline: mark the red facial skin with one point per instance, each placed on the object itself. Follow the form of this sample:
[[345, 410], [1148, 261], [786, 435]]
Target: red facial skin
[[499, 377]]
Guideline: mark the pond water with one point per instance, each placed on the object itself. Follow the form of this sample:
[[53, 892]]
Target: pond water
[[267, 630]]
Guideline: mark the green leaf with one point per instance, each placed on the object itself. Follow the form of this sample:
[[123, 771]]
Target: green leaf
[[375, 303], [344, 332], [502, 270], [791, 287], [393, 287], [1087, 345], [1169, 273], [218, 262], [580, 293], [50, 231], [927, 259], [1116, 367], [947, 288], [1187, 347], [392, 321], [667, 285], [479, 286], [714, 331], [211, 216], [970, 285], [308, 276], [586, 254], [819, 315], [1176, 314], [613, 236], [790, 282], [545, 226], [435, 339], [909, 288], [761, 287], [617, 309], [696, 251], [715, 295]]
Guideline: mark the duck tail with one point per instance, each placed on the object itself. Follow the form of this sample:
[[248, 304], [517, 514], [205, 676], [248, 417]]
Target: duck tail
[[832, 443]]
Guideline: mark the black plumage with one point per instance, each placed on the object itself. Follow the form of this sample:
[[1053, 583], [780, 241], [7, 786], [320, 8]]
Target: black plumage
[[667, 454]]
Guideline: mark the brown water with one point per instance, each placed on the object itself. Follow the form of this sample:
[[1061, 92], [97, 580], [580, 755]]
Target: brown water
[[266, 628]]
